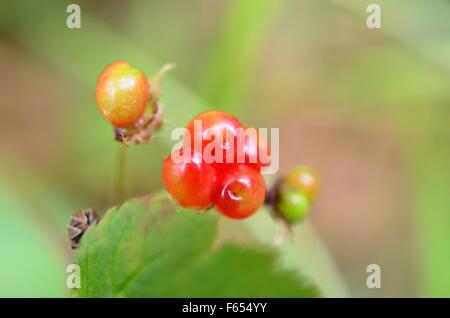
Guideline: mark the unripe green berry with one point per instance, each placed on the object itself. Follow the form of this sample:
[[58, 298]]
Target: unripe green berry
[[293, 205]]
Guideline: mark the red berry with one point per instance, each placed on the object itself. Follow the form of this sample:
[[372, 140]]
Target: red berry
[[190, 183], [240, 192], [122, 94], [303, 179], [214, 124], [255, 150]]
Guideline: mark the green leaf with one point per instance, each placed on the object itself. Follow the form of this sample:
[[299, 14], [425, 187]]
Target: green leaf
[[304, 252], [152, 248], [235, 271]]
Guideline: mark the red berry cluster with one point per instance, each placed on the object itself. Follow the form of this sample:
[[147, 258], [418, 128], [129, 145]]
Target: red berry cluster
[[236, 189]]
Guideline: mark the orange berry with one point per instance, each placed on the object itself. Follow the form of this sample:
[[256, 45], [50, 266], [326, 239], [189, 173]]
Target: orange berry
[[303, 179], [122, 94]]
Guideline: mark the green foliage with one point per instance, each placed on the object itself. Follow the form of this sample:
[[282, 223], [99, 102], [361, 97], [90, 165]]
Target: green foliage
[[152, 248], [243, 34], [431, 178], [29, 266], [33, 259]]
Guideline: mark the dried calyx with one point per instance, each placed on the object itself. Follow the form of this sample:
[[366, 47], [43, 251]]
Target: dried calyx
[[79, 223], [142, 130]]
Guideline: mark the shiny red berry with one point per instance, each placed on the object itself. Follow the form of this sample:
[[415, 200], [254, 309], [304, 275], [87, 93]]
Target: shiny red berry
[[256, 150], [122, 94], [191, 182], [240, 192], [214, 124]]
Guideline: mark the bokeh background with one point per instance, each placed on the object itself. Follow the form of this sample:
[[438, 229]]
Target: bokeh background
[[368, 109]]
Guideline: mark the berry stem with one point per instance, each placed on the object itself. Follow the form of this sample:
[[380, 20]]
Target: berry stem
[[284, 232], [119, 183]]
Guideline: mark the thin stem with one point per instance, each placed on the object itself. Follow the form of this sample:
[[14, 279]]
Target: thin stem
[[119, 189], [284, 232]]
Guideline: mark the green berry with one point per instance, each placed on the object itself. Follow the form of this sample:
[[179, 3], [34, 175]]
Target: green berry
[[293, 205]]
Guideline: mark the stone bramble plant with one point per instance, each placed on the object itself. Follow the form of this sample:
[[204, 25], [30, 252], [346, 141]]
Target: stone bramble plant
[[160, 245]]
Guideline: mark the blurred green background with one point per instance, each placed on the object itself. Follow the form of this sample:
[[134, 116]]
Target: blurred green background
[[368, 109]]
